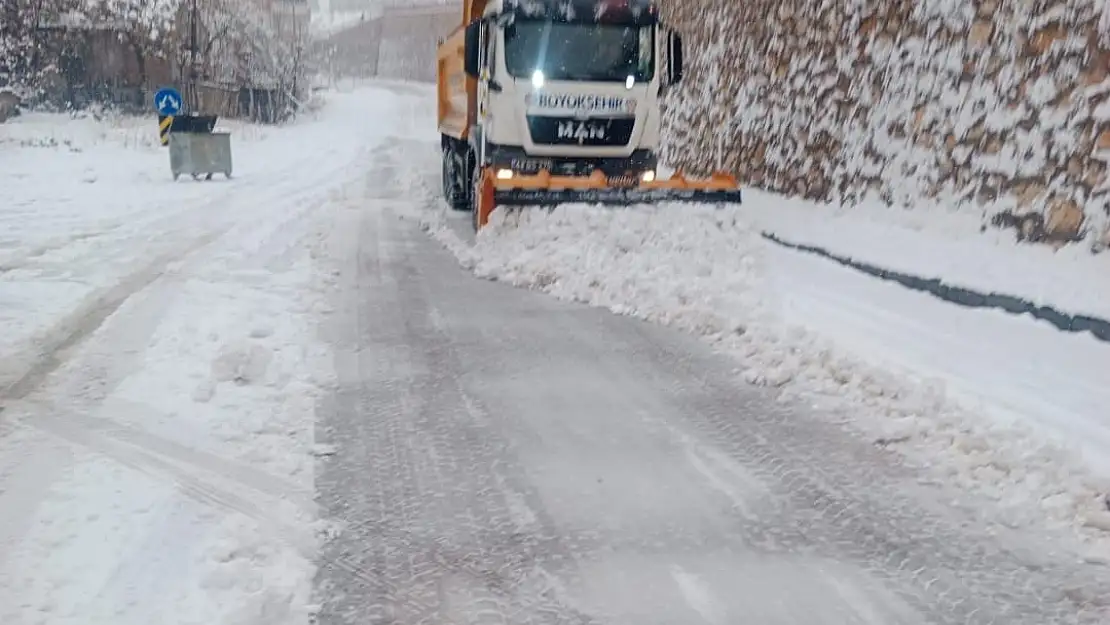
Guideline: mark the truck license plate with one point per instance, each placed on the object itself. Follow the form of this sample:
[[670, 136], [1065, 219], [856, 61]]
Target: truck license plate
[[531, 165]]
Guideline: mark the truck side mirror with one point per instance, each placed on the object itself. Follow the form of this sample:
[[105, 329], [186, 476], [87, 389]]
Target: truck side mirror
[[676, 58], [473, 49]]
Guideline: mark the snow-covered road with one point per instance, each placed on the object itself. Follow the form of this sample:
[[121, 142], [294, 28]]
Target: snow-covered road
[[277, 400], [504, 457], [161, 369]]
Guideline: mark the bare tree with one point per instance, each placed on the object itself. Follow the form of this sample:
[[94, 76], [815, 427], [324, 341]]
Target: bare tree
[[25, 64], [250, 46]]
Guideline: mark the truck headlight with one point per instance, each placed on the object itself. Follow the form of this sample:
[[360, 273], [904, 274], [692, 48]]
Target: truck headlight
[[537, 79], [504, 174], [648, 176]]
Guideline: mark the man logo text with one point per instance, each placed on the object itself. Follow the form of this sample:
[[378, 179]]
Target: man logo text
[[580, 131]]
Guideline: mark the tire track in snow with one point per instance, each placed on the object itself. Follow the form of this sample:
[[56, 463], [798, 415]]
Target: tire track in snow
[[104, 436], [88, 318], [20, 260], [110, 439], [80, 325], [431, 506], [215, 493], [208, 491], [29, 371]]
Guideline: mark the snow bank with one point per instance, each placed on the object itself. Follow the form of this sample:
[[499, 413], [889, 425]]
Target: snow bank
[[191, 414], [940, 242], [708, 271], [156, 463], [88, 201], [87, 129]]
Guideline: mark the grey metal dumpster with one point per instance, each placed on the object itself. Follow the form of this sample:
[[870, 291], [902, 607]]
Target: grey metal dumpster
[[200, 154]]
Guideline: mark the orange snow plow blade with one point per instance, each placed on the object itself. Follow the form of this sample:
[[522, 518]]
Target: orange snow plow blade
[[544, 189]]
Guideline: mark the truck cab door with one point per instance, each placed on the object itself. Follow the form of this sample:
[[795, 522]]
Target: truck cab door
[[476, 61], [486, 70], [485, 77]]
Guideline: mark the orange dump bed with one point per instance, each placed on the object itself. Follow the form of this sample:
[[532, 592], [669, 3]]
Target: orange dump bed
[[457, 92]]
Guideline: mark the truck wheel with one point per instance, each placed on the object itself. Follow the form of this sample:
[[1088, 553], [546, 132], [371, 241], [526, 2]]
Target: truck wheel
[[445, 175], [454, 188], [475, 195]]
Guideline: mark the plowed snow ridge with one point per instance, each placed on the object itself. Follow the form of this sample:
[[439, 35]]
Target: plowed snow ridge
[[894, 367]]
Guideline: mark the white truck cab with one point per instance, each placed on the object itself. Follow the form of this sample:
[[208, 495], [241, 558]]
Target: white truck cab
[[569, 86]]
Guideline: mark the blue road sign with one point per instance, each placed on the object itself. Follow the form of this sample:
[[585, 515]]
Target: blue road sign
[[167, 101]]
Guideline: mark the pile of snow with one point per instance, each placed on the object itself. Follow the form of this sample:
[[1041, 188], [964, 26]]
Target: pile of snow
[[708, 271]]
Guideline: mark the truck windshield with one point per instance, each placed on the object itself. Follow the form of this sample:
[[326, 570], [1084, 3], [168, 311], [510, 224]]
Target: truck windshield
[[597, 52]]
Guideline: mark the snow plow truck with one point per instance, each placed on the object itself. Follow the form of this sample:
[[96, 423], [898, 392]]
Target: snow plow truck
[[544, 102]]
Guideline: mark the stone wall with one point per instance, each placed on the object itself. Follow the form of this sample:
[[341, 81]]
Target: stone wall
[[993, 105]]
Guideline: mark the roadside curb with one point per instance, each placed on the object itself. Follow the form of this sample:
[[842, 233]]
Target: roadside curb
[[1099, 328]]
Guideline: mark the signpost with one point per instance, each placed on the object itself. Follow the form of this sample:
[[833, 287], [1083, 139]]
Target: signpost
[[168, 103], [196, 149]]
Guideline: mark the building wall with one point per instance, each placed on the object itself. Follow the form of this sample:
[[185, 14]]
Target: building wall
[[289, 18], [409, 40], [399, 44], [97, 65], [352, 52], [990, 105]]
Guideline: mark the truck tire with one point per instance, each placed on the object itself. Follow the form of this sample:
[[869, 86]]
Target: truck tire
[[454, 187], [475, 177]]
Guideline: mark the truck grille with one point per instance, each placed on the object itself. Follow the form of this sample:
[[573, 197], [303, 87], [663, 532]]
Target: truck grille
[[570, 131]]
